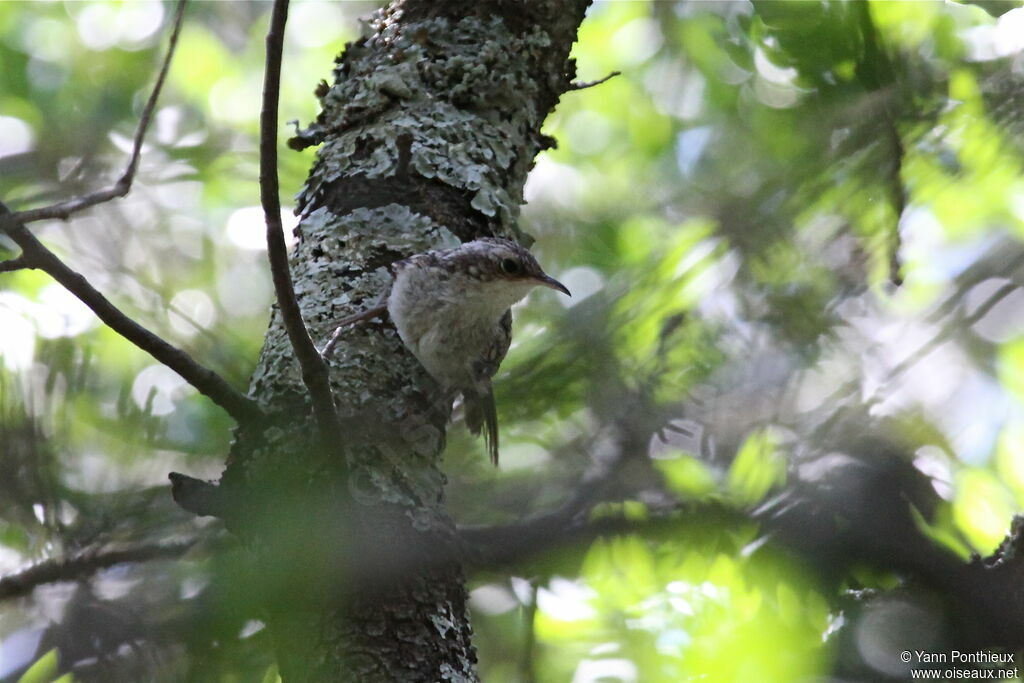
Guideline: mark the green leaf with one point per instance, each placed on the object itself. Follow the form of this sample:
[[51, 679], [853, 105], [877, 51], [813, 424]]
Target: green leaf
[[687, 476], [758, 467], [44, 670]]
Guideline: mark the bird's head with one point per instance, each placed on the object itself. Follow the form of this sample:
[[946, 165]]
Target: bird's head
[[504, 269]]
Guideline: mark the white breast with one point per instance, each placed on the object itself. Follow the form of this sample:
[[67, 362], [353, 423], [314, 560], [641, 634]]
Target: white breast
[[449, 322]]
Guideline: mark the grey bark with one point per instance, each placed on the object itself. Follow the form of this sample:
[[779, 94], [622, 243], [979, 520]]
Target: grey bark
[[427, 136]]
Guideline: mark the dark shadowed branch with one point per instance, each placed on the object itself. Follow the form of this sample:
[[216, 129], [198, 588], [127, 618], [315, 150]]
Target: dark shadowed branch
[[898, 197], [507, 543], [314, 368], [206, 381], [85, 564], [502, 546], [806, 521], [877, 79], [18, 263], [121, 188], [980, 593]]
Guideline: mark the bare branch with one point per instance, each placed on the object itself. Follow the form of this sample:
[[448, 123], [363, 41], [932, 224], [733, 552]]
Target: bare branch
[[368, 314], [877, 79], [85, 564], [315, 373], [18, 263], [503, 546], [507, 543], [943, 335], [583, 85], [898, 197], [64, 209], [206, 381]]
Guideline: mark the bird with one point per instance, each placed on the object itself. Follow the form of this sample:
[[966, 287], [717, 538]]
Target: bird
[[452, 310]]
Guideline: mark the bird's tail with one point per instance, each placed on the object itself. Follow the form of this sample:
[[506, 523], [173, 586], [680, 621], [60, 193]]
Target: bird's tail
[[482, 415]]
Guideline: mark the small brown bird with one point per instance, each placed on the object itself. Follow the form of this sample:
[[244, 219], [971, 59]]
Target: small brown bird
[[452, 309]]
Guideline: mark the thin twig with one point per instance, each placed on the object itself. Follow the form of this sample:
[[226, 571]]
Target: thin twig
[[943, 315], [1006, 258], [315, 373], [206, 381], [941, 338], [873, 79], [898, 196], [63, 210], [18, 263], [85, 564], [368, 314], [583, 85], [528, 658]]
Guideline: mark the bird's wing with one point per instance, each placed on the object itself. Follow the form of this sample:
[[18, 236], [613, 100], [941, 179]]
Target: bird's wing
[[481, 411], [502, 340], [482, 415]]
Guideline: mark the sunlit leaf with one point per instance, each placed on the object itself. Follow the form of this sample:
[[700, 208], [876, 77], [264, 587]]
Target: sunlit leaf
[[687, 476], [44, 670], [758, 467], [982, 508]]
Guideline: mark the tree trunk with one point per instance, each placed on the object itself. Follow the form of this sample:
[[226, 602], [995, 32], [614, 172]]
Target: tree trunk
[[427, 136]]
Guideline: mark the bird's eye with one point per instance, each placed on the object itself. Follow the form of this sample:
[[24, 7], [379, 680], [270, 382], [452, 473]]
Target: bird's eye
[[511, 266]]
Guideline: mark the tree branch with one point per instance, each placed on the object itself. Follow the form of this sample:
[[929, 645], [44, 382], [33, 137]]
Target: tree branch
[[63, 210], [18, 263], [35, 255], [898, 197], [369, 314], [877, 79], [84, 564], [505, 543], [829, 529], [583, 85], [206, 381], [315, 372], [940, 338]]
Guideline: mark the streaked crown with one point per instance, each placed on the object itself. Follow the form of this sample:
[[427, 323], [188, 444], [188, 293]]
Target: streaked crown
[[488, 259]]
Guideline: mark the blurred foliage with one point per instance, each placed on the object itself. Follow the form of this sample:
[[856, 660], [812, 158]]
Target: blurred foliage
[[779, 215]]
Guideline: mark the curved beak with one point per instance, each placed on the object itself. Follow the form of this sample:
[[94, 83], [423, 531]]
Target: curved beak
[[551, 282]]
